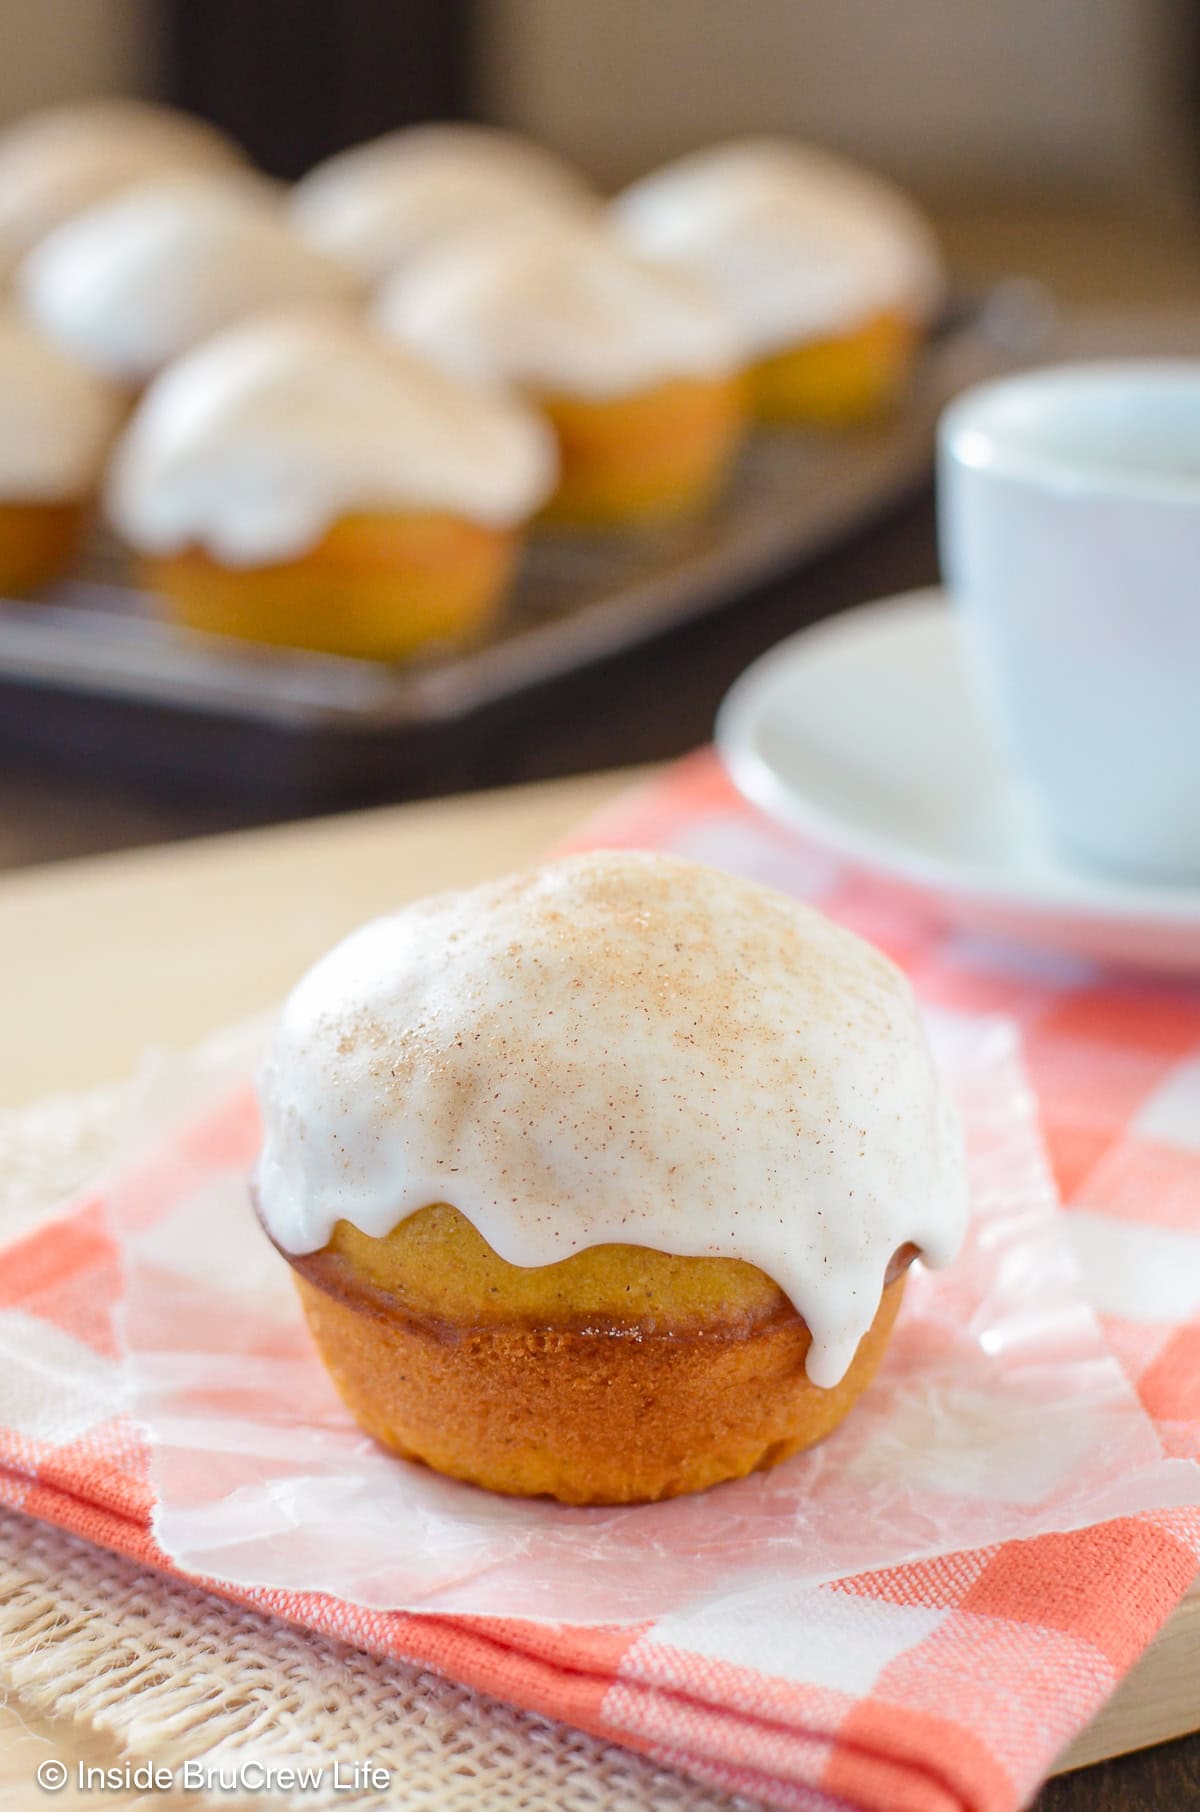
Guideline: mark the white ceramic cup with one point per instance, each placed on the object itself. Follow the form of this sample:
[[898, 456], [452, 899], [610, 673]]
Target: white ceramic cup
[[1069, 520]]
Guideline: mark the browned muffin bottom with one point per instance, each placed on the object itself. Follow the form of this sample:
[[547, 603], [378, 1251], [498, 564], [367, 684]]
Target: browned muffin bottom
[[534, 1386], [38, 543]]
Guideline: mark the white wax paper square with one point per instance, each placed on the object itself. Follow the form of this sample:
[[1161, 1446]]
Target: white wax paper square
[[999, 1412]]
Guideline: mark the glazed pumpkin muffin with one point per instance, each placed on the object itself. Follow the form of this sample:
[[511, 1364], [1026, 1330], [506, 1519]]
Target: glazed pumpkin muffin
[[833, 274], [56, 424], [60, 160], [298, 482], [378, 206], [635, 367], [140, 278], [601, 1182]]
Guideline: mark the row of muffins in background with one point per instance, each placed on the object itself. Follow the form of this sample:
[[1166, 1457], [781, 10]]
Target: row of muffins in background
[[326, 416]]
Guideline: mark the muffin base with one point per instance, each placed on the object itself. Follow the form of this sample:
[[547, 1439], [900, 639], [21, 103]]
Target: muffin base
[[603, 1413], [837, 381], [653, 457], [38, 543], [380, 587]]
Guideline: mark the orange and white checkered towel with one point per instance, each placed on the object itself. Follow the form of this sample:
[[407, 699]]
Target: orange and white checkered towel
[[934, 1687]]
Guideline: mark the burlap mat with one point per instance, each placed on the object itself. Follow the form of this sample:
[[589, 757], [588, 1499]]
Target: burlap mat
[[165, 1672]]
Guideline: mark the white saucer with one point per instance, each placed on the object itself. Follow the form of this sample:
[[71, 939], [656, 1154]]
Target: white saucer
[[863, 733]]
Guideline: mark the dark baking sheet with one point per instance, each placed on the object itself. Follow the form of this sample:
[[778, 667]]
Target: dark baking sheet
[[95, 672]]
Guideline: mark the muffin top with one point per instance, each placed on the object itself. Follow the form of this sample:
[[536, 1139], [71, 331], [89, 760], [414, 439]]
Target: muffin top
[[56, 419], [379, 204], [558, 309], [136, 280], [256, 443], [620, 1048], [57, 162], [798, 242]]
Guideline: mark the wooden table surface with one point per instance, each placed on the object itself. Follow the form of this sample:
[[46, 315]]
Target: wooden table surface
[[105, 957]]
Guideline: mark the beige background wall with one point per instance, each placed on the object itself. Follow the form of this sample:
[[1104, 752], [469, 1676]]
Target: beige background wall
[[960, 97], [954, 94], [58, 50]]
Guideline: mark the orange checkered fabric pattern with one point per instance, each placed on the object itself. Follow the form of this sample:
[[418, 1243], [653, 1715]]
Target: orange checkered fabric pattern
[[948, 1685]]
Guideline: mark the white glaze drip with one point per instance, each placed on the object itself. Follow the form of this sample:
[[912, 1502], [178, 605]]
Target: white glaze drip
[[379, 204], [257, 442], [798, 243], [562, 309], [139, 279], [620, 1048], [56, 420]]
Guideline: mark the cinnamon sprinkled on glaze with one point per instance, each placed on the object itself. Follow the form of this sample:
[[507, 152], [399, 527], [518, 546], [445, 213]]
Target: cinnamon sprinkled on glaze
[[620, 1048]]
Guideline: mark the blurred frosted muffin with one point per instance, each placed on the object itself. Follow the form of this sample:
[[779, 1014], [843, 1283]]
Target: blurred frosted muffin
[[602, 1181], [56, 163], [135, 281], [636, 367], [832, 273], [296, 481], [56, 424], [378, 205]]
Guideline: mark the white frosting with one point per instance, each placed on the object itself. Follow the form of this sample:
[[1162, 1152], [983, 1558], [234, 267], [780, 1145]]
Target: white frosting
[[56, 163], [138, 279], [379, 204], [257, 442], [799, 243], [56, 420], [620, 1048], [565, 309]]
